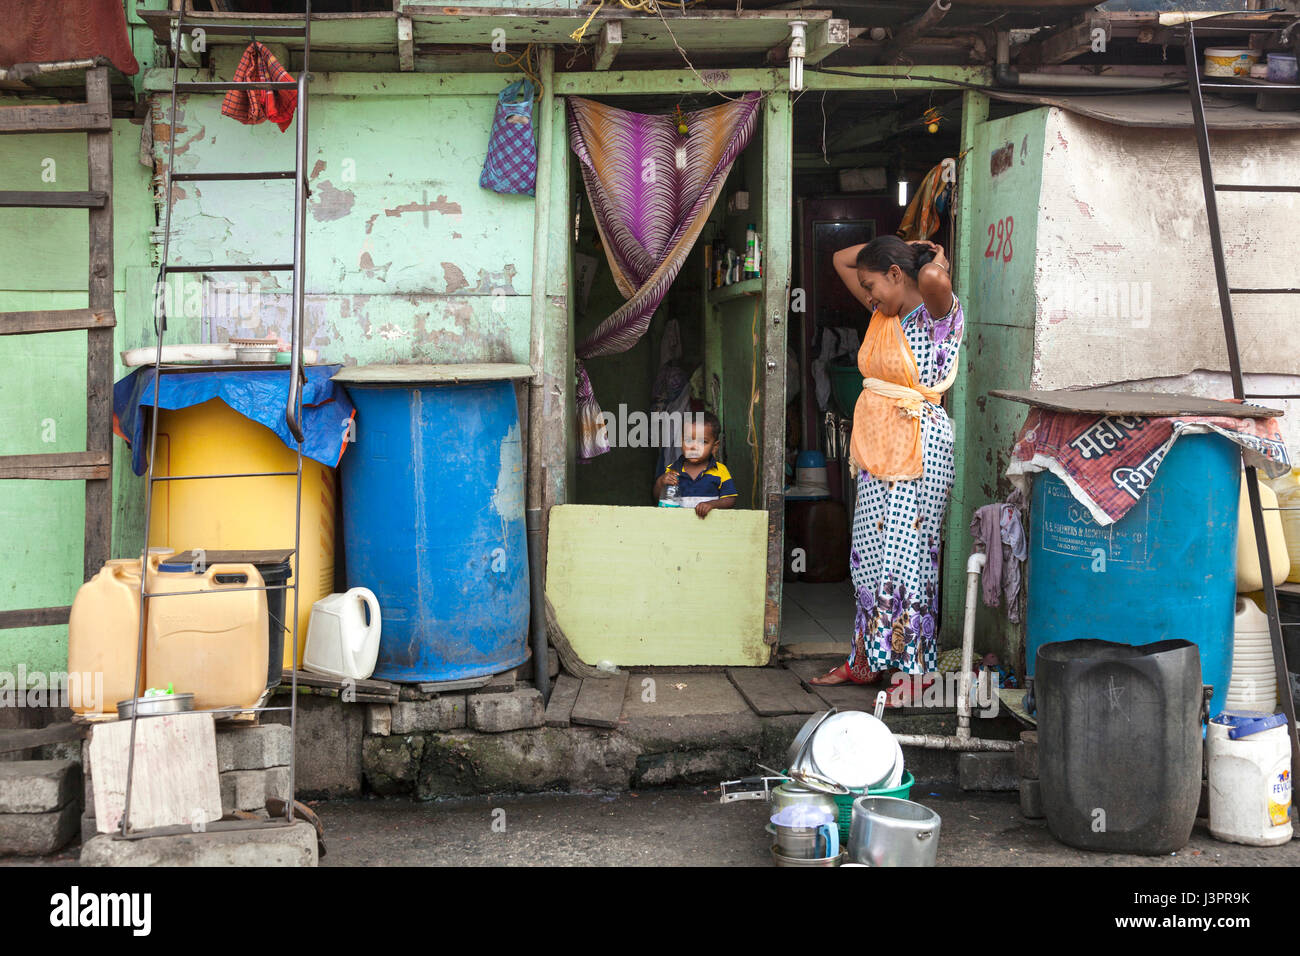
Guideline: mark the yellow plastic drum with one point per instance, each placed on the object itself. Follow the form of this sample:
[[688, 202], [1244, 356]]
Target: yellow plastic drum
[[243, 513]]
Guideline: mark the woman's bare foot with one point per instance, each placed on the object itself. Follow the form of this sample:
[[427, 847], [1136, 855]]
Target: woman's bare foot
[[839, 675]]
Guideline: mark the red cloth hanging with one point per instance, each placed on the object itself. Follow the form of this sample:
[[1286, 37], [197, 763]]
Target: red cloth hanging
[[258, 65]]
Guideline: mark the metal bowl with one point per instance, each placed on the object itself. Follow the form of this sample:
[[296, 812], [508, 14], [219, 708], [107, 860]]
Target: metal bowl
[[799, 745], [155, 706]]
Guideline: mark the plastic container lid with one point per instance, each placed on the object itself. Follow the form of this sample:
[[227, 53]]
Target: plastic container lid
[[1232, 51], [810, 459], [802, 815], [1244, 723]]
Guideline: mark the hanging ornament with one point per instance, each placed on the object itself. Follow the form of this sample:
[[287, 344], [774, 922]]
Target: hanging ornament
[[931, 119]]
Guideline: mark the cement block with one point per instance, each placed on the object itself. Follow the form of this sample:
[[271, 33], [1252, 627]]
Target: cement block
[[37, 834], [994, 770], [440, 713], [254, 748], [693, 767], [1027, 755], [498, 713], [391, 764], [379, 721], [250, 789], [1031, 799], [665, 712], [38, 786], [293, 845], [329, 746]]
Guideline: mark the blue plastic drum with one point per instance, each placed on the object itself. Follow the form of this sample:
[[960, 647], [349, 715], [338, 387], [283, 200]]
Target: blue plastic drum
[[1167, 570], [433, 522]]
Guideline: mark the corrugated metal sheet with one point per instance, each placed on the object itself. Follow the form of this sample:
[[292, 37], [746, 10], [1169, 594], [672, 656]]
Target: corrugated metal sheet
[[55, 30]]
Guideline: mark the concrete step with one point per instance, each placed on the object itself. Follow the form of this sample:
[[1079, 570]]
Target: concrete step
[[293, 845]]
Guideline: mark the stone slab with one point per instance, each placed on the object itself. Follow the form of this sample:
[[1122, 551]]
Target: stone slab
[[292, 845], [688, 711], [559, 709], [839, 696], [465, 762], [391, 764], [988, 771], [600, 701], [38, 786], [773, 691], [498, 713], [254, 748], [446, 712], [803, 650], [379, 720], [38, 834]]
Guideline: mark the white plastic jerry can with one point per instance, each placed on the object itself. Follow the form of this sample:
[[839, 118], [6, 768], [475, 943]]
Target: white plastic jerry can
[[339, 641]]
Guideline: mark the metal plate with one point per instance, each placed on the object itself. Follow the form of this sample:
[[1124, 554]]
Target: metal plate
[[800, 742]]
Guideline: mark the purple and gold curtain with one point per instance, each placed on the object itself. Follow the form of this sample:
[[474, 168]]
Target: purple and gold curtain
[[649, 211]]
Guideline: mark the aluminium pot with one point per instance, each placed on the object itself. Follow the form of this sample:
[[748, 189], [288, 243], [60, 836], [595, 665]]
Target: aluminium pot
[[887, 831], [790, 793]]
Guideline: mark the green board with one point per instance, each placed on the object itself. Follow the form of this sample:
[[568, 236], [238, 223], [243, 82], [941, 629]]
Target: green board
[[659, 586]]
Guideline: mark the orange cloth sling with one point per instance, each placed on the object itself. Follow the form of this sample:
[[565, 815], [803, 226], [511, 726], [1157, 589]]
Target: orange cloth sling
[[886, 438]]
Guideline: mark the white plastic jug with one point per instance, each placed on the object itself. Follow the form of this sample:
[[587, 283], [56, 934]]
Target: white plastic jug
[[1253, 685], [339, 641], [1249, 576], [1287, 489], [1249, 778]]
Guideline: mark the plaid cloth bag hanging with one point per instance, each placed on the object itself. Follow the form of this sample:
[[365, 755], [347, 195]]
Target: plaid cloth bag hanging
[[511, 164]]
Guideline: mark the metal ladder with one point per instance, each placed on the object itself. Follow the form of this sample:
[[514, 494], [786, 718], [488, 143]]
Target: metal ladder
[[296, 374], [1196, 87]]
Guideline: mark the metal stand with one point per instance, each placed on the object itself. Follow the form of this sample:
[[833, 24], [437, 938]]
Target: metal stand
[[296, 372]]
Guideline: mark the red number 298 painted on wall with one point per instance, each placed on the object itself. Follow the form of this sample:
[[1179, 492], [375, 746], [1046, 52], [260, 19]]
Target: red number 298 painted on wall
[[1000, 233]]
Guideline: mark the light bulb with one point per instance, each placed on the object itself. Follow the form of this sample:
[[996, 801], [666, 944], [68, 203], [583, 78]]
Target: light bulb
[[902, 190]]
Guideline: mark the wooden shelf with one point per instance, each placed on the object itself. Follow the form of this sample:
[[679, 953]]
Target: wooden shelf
[[728, 292]]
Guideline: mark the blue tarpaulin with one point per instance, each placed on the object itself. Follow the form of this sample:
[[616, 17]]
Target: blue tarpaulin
[[257, 394]]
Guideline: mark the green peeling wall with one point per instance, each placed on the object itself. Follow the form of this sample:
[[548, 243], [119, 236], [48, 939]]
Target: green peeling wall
[[997, 291]]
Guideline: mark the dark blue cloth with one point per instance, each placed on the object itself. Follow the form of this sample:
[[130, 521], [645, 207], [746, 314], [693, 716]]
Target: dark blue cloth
[[257, 394]]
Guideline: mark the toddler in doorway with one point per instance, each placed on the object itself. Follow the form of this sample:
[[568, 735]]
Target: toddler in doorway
[[701, 480]]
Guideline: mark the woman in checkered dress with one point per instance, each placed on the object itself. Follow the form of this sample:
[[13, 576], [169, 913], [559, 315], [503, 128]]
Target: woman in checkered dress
[[904, 478]]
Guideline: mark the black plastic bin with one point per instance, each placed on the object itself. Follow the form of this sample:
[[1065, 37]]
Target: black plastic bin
[[276, 570], [1120, 745]]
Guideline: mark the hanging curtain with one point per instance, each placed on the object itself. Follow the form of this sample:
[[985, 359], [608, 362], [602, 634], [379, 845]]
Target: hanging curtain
[[651, 190]]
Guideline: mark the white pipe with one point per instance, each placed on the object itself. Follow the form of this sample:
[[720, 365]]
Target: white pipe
[[974, 566]]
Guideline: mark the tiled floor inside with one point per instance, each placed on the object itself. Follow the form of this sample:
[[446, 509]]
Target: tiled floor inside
[[816, 619]]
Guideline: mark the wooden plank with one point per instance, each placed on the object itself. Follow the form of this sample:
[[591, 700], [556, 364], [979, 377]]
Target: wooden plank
[[600, 701], [55, 320], [616, 597], [359, 691], [1065, 42], [778, 191], [773, 691], [559, 709], [1099, 401], [66, 118], [405, 45], [34, 617], [62, 466], [608, 45], [52, 199], [174, 781], [451, 686], [99, 345], [14, 740]]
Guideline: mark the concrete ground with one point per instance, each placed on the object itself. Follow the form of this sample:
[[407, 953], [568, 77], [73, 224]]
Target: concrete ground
[[691, 828]]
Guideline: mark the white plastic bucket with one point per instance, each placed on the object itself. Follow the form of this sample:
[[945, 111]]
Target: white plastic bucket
[[1249, 778]]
